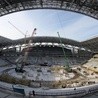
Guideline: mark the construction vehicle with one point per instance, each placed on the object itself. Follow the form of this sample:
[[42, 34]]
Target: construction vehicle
[[21, 61], [67, 68]]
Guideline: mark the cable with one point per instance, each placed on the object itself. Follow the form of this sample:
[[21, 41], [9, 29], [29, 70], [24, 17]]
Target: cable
[[17, 28], [60, 21]]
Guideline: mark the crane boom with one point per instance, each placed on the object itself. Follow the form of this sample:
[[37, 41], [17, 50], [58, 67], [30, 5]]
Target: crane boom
[[28, 46], [66, 60], [16, 28], [21, 61]]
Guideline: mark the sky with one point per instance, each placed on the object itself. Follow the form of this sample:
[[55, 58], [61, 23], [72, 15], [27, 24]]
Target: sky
[[70, 25]]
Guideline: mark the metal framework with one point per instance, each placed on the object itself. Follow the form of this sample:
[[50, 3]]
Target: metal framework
[[4, 41], [87, 7], [45, 39], [91, 44]]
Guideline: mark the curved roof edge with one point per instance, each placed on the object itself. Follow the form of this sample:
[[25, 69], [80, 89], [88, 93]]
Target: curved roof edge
[[91, 44], [86, 7], [40, 39]]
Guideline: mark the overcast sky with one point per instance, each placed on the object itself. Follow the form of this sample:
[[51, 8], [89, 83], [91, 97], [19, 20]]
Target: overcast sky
[[48, 22]]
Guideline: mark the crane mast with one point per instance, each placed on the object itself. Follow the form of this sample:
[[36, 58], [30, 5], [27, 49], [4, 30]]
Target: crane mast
[[21, 61], [66, 60]]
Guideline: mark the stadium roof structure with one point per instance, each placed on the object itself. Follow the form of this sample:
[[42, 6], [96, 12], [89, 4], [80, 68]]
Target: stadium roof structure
[[4, 41], [38, 39], [87, 7], [91, 44]]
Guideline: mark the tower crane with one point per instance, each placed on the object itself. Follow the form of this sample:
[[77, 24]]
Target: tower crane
[[21, 61]]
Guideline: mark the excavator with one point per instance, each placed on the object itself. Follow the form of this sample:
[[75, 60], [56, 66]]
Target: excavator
[[21, 61]]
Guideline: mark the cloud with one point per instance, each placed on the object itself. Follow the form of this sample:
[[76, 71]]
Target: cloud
[[48, 23], [83, 26]]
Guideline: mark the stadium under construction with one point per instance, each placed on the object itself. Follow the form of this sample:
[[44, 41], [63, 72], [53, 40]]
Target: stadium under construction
[[44, 66]]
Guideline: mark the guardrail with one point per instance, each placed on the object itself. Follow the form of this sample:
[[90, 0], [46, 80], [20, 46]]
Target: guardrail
[[68, 92]]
